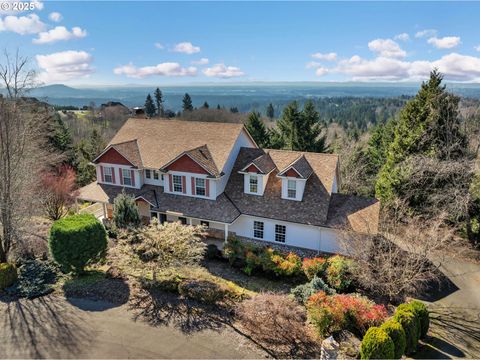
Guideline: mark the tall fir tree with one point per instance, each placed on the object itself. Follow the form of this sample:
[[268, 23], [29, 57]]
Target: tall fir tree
[[257, 129], [270, 111], [150, 106], [310, 133], [187, 103], [290, 126], [159, 101], [205, 105]]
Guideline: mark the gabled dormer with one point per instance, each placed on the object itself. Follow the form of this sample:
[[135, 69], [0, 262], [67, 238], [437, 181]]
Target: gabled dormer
[[256, 173], [294, 178]]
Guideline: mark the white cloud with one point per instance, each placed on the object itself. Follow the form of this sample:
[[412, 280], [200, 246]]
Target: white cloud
[[402, 37], [321, 71], [163, 69], [29, 24], [186, 48], [223, 71], [328, 56], [477, 47], [159, 45], [446, 42], [59, 33], [64, 66], [426, 33], [386, 48], [312, 65], [55, 16], [202, 61]]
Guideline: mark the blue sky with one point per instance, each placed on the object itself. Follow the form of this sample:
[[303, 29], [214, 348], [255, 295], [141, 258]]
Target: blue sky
[[106, 42]]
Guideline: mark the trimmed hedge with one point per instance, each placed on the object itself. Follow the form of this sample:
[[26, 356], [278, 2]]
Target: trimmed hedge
[[376, 344], [395, 330], [77, 241], [409, 322], [8, 275], [423, 315]]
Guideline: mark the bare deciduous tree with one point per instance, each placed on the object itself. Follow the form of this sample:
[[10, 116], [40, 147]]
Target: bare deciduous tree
[[23, 149]]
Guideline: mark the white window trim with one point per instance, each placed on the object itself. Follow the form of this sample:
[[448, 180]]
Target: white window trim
[[294, 182], [262, 230], [148, 173], [250, 178], [284, 234], [204, 187], [129, 177], [105, 168], [180, 184]]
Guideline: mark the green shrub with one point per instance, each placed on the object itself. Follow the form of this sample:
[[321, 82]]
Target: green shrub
[[8, 275], [409, 308], [376, 344], [395, 330], [35, 278], [77, 241], [125, 211], [423, 315], [339, 273], [302, 293], [409, 323]]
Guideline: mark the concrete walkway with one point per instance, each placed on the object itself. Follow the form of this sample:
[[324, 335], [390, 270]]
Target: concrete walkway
[[52, 327]]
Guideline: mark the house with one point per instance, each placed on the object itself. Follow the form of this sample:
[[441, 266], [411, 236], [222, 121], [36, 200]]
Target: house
[[214, 174]]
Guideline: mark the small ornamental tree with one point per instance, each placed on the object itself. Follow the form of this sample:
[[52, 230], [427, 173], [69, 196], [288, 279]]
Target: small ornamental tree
[[125, 211], [395, 330], [77, 241], [376, 344]]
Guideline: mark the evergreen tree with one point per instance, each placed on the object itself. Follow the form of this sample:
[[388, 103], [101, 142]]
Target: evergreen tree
[[290, 127], [257, 129], [310, 134], [159, 101], [150, 106], [187, 103], [61, 139], [218, 107], [234, 110], [428, 125], [270, 111], [205, 105], [125, 211]]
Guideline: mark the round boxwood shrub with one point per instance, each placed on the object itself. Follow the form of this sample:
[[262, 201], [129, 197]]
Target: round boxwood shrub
[[423, 315], [77, 241], [397, 334], [376, 344], [409, 323], [409, 307], [8, 275]]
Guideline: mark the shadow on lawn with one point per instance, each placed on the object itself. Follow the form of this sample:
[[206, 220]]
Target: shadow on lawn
[[31, 327]]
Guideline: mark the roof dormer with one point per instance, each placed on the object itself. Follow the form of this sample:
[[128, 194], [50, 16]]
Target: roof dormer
[[256, 173]]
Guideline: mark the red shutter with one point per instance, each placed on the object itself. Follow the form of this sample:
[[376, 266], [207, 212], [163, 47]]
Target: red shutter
[[207, 187], [132, 174], [184, 185], [121, 176], [170, 183], [193, 186], [101, 173], [113, 175]]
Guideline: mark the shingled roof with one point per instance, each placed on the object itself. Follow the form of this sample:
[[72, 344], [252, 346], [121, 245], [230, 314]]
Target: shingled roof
[[263, 163], [301, 166], [160, 141]]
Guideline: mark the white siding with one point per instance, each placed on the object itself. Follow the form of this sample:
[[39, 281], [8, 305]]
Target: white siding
[[262, 183], [304, 236], [243, 140], [152, 181], [136, 172]]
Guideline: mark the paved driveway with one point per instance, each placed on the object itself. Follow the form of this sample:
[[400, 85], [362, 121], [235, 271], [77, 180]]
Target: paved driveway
[[52, 327]]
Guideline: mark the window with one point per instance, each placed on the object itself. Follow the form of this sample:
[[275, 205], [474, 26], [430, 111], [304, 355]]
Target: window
[[107, 175], [127, 177], [162, 177], [205, 223], [291, 189], [200, 186], [155, 174], [177, 183], [280, 231], [148, 173], [258, 229], [163, 218], [183, 220], [154, 214], [253, 184]]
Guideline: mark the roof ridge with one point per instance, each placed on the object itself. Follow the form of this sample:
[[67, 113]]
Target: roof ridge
[[299, 151]]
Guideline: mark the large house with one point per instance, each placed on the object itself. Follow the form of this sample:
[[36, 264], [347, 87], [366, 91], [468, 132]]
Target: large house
[[214, 174]]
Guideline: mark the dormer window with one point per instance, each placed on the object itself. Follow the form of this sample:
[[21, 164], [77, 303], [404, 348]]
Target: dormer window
[[291, 189], [200, 188], [177, 183], [107, 175], [155, 175], [253, 184], [148, 173], [127, 177]]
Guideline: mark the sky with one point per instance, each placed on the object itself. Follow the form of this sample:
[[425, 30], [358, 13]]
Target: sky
[[157, 42]]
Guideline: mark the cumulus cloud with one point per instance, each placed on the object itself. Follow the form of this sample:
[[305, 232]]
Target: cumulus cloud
[[402, 37], [477, 47], [386, 48], [29, 24], [321, 71], [186, 48], [159, 45], [223, 71], [64, 66], [202, 61], [313, 65], [426, 33], [163, 69], [55, 16], [327, 57], [446, 42], [59, 33]]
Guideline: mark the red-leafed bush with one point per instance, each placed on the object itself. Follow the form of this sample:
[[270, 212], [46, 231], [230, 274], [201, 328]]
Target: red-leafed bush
[[314, 267], [57, 192], [337, 312]]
